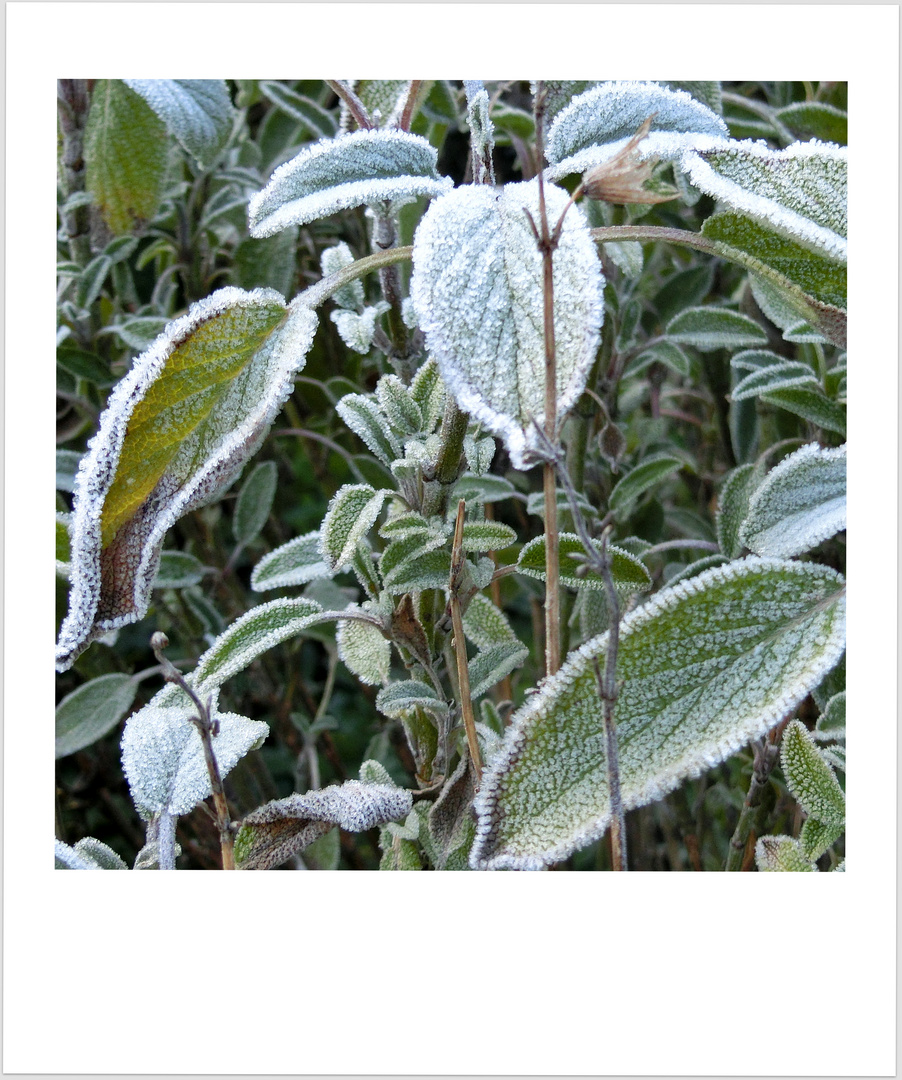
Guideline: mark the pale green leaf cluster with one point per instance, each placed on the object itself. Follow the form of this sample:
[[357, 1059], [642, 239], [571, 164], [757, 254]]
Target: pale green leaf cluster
[[87, 854]]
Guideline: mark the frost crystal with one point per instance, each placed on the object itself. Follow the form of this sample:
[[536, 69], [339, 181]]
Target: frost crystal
[[361, 169], [477, 291]]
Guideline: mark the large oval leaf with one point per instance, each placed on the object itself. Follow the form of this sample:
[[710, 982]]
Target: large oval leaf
[[703, 667], [477, 291], [363, 168], [176, 432]]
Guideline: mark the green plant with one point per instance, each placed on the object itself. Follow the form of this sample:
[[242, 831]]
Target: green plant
[[464, 667]]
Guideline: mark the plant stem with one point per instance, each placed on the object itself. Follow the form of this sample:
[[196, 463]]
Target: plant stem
[[357, 109], [460, 645], [206, 728], [321, 290], [767, 753], [73, 109], [653, 234]]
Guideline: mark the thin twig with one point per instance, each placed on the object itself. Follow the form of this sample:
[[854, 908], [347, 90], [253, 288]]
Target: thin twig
[[357, 109], [460, 646], [410, 104], [206, 728]]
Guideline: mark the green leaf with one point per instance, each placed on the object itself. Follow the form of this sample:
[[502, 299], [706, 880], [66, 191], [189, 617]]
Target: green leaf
[[815, 120], [423, 567], [364, 648], [702, 668], [477, 291], [775, 853], [318, 122], [88, 854], [486, 625], [198, 112], [176, 432], [403, 697], [487, 489], [270, 263], [84, 365], [275, 832], [91, 280], [638, 480], [125, 151], [487, 536], [710, 328], [364, 417], [732, 507], [332, 260], [629, 573], [294, 563], [489, 666], [811, 404], [362, 168], [350, 516], [799, 504], [179, 570], [254, 502], [810, 779], [768, 372], [92, 711], [428, 391]]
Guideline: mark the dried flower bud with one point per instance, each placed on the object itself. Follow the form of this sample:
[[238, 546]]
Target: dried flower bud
[[622, 178]]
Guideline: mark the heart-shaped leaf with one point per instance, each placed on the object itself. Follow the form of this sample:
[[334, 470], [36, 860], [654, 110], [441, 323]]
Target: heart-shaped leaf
[[477, 290]]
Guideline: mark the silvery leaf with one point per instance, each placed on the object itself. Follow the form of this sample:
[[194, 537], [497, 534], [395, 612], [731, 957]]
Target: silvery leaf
[[88, 854], [363, 168], [477, 290], [198, 112], [294, 563]]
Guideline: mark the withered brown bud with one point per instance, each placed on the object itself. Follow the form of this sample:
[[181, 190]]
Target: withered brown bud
[[621, 179]]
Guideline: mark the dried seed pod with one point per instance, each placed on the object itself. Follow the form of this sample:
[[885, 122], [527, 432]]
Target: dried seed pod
[[622, 178]]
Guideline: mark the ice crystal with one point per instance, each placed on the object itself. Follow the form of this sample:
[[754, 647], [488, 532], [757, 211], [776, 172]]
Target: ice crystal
[[477, 290], [703, 667], [361, 169]]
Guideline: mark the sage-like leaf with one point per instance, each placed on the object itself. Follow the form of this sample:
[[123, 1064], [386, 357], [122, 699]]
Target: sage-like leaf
[[486, 625], [800, 503], [702, 668], [255, 501], [364, 417], [176, 432], [768, 372], [91, 711], [709, 328], [810, 779], [732, 507], [198, 112], [403, 697], [88, 854], [800, 191], [599, 123], [489, 666], [629, 573], [294, 563], [644, 476], [364, 648], [350, 516], [477, 290], [363, 168], [775, 853], [179, 570], [270, 836]]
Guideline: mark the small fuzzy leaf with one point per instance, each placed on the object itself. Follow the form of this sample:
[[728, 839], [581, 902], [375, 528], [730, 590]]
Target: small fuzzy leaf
[[337, 258], [364, 648], [125, 153], [350, 516], [88, 854], [91, 711], [799, 191], [428, 392], [479, 454], [179, 570], [294, 563], [599, 123], [811, 404], [702, 668], [403, 553], [832, 721], [176, 432], [487, 536], [163, 757], [810, 779], [710, 328], [732, 507], [403, 697], [800, 503], [364, 417], [255, 501], [318, 122], [198, 112], [487, 489], [399, 405], [629, 573], [477, 290], [357, 331], [662, 352], [817, 836], [768, 372], [485, 625], [430, 569], [638, 480], [815, 120], [363, 168], [493, 664], [270, 836], [775, 853]]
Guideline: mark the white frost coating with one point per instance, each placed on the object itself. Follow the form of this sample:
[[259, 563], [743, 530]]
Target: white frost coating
[[799, 191], [477, 290], [357, 331], [800, 503], [599, 123], [363, 168], [163, 756], [363, 648], [703, 668], [294, 563], [245, 415], [198, 112]]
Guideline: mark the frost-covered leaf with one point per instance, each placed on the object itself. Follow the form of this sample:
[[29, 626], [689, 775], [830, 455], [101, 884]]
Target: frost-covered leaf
[[812, 404], [732, 507], [800, 191], [350, 516], [775, 853], [179, 570], [663, 352], [163, 757], [318, 122], [91, 711], [628, 572], [363, 168], [815, 120], [364, 648], [176, 432], [832, 721], [357, 331], [67, 462], [125, 153], [337, 258], [294, 563], [426, 568], [599, 123], [428, 392], [486, 489], [363, 416], [479, 454], [709, 328], [198, 112], [800, 503], [768, 372], [702, 668], [402, 553], [399, 405], [477, 289], [487, 536], [486, 625], [403, 697], [255, 501], [489, 666], [88, 854], [810, 779], [269, 836], [644, 476]]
